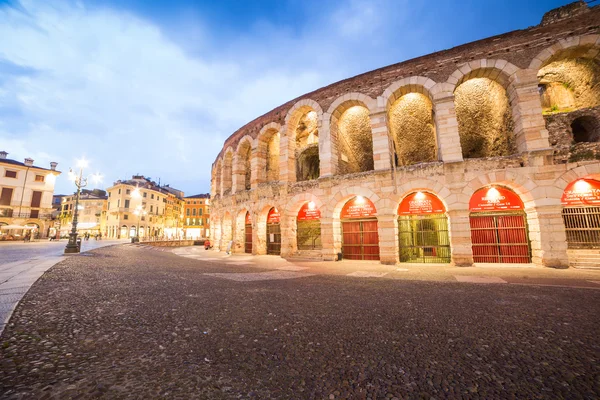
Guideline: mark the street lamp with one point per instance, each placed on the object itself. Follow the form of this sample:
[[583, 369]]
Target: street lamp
[[140, 212], [81, 182]]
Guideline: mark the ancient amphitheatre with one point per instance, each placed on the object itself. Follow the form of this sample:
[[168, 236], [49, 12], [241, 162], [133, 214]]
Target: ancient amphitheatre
[[483, 153]]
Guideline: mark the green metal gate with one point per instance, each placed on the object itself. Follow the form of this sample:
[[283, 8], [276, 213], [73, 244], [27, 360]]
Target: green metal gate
[[424, 238], [582, 226]]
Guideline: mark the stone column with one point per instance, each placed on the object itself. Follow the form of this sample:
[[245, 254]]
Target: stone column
[[387, 226], [238, 176], [329, 251], [529, 126], [287, 159], [547, 236], [288, 235], [382, 152], [259, 235], [258, 165], [446, 128], [461, 247], [327, 155]]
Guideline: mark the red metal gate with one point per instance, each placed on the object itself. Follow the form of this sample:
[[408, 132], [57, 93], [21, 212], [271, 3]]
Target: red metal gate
[[360, 240], [500, 238], [248, 239]]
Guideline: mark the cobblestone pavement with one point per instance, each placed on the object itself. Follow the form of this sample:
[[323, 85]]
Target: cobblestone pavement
[[18, 251], [133, 322]]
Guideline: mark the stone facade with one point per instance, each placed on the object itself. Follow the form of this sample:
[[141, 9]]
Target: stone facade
[[514, 150]]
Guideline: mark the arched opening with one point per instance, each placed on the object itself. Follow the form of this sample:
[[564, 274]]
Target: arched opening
[[244, 170], [585, 129], [360, 236], [581, 214], [308, 223], [412, 128], [227, 172], [307, 147], [273, 232], [248, 234], [132, 231], [485, 124], [423, 229], [354, 140], [499, 231]]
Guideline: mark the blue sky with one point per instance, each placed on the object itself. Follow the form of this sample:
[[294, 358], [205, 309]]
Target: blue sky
[[155, 87]]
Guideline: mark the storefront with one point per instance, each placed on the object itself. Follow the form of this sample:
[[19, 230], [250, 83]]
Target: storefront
[[273, 232], [360, 236], [248, 234], [581, 214], [499, 232], [423, 229], [308, 223]]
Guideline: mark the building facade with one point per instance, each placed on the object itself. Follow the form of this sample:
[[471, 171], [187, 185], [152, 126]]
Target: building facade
[[26, 196], [91, 218], [197, 216], [139, 204], [483, 153]]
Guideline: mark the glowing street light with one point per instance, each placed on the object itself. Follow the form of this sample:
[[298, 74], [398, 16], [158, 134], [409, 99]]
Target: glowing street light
[[80, 181], [140, 212]]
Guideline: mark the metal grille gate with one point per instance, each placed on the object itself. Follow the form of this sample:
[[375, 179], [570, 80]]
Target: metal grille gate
[[274, 239], [309, 235], [360, 240], [500, 238], [424, 238], [582, 226], [248, 239]]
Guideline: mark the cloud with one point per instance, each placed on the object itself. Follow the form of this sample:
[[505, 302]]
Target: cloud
[[105, 83]]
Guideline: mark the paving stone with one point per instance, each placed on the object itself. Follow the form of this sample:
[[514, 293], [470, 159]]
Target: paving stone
[[367, 274], [479, 279]]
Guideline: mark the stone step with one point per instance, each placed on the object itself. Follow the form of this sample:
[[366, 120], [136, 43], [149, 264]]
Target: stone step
[[585, 264], [307, 255]]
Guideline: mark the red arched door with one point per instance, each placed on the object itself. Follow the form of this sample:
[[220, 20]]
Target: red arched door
[[360, 238], [273, 232], [248, 234], [498, 227]]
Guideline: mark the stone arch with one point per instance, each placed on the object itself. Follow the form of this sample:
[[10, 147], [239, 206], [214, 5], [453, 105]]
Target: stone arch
[[591, 171], [484, 108], [339, 198], [226, 230], [295, 203], [527, 189], [239, 230], [302, 132], [227, 172], [411, 120], [288, 219], [259, 231], [569, 74], [350, 133], [424, 185], [267, 153], [242, 170]]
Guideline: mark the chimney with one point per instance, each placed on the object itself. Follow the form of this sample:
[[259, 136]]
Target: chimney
[[3, 155], [53, 165], [28, 162]]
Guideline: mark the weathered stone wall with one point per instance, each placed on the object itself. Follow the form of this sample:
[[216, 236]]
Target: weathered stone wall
[[354, 141], [561, 136]]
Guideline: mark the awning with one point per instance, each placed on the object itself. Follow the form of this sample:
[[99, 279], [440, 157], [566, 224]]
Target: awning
[[9, 227]]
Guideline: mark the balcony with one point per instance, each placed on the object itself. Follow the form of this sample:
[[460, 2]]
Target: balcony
[[6, 212], [10, 213]]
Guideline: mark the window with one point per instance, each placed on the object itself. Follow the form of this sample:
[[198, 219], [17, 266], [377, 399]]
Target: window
[[36, 199], [193, 212], [187, 221], [199, 221], [39, 178], [6, 196], [143, 218], [109, 205], [127, 203], [10, 174], [151, 207], [152, 196], [119, 203], [109, 193], [199, 211], [145, 194], [127, 191], [125, 216], [187, 212], [201, 202], [119, 191]]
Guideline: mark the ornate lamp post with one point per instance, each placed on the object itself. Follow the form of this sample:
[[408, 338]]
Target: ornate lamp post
[[140, 212], [81, 182]]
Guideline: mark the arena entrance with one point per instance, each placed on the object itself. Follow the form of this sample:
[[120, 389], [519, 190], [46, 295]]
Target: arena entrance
[[308, 222], [248, 234], [360, 237], [273, 232], [423, 229], [581, 214], [499, 231]]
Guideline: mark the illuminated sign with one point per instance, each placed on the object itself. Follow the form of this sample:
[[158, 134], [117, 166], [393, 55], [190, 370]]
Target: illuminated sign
[[495, 199], [309, 212], [358, 207], [274, 217], [581, 192], [421, 203]]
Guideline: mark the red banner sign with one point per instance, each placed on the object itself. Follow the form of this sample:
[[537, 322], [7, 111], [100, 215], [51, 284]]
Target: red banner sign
[[274, 217], [248, 219], [358, 207], [421, 203], [495, 199], [309, 212], [581, 192]]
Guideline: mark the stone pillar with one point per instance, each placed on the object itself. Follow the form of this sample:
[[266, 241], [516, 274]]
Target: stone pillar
[[547, 236], [327, 155], [238, 176], [446, 128], [529, 125], [387, 226], [382, 152], [239, 234], [258, 165], [259, 235], [461, 247], [216, 235], [288, 235], [287, 159], [329, 251]]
